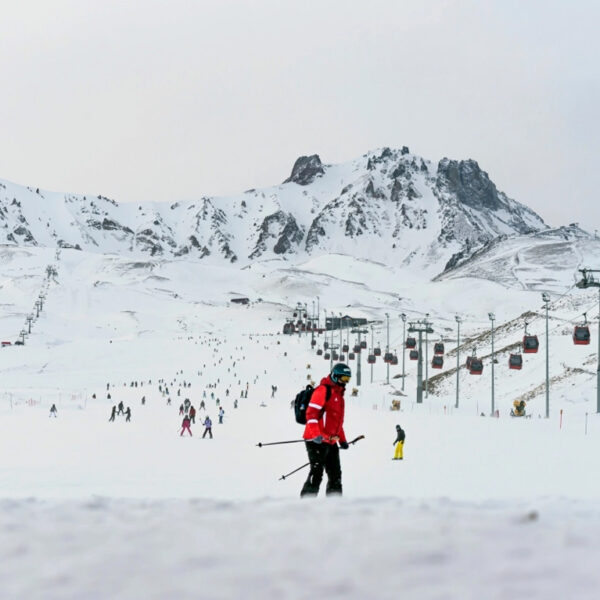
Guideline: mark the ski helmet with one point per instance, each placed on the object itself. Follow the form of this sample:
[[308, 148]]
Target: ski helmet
[[341, 374]]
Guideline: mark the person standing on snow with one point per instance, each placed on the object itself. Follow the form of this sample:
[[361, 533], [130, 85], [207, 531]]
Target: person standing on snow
[[324, 429], [207, 427], [181, 411], [128, 415], [400, 436], [53, 411], [185, 425], [120, 408], [221, 415], [113, 413], [192, 414]]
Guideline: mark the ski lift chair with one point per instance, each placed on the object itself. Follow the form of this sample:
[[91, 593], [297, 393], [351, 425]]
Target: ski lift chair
[[530, 344], [515, 361], [476, 366], [581, 334], [437, 362]]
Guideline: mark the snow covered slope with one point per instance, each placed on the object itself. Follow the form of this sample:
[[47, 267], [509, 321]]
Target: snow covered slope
[[480, 507], [388, 205]]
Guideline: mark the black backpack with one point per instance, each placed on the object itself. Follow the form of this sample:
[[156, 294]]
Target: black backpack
[[302, 400]]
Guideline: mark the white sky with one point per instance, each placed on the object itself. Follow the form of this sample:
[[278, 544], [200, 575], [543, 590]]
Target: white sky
[[167, 100]]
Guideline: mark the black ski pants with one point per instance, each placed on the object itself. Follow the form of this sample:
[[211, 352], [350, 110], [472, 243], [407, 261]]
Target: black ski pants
[[323, 457]]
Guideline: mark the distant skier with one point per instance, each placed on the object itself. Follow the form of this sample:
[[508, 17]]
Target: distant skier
[[235, 403], [181, 411], [221, 415], [143, 400], [399, 442], [185, 425], [207, 427], [120, 408], [169, 401], [128, 415], [202, 405], [187, 404], [53, 411], [193, 414], [113, 413]]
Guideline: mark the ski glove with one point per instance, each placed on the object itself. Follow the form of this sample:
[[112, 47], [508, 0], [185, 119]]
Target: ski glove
[[317, 440], [344, 445]]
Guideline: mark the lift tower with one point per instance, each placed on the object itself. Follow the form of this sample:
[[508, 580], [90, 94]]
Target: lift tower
[[420, 327]]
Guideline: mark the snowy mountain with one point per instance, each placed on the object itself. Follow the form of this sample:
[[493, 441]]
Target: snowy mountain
[[388, 205]]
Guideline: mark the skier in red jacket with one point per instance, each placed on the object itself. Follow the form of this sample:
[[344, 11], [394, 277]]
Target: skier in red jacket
[[185, 425], [324, 430]]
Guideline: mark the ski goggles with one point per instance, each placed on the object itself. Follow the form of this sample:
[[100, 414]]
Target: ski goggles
[[344, 378]]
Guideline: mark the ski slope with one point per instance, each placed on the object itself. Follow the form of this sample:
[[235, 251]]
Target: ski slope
[[480, 507]]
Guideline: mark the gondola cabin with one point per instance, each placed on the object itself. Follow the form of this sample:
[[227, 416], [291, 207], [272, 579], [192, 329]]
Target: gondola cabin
[[319, 352], [313, 343], [438, 348], [363, 344], [530, 344], [351, 356], [326, 356], [413, 355], [476, 367], [357, 348], [437, 362], [387, 357], [411, 342], [371, 359], [342, 357], [515, 361], [345, 348], [394, 360], [377, 351], [581, 335], [335, 355]]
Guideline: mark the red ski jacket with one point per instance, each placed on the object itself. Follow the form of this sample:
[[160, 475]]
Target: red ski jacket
[[326, 417]]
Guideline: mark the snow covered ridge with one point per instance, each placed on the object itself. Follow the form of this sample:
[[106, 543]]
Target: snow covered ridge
[[388, 205]]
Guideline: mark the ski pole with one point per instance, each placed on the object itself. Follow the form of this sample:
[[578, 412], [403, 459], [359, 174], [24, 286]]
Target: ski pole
[[356, 439], [261, 444], [360, 437], [294, 471]]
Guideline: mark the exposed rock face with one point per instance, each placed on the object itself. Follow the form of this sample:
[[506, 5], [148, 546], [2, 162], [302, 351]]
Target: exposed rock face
[[281, 227], [306, 169], [468, 183]]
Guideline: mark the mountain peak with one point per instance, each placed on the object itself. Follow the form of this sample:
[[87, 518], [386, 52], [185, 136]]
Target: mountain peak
[[306, 169]]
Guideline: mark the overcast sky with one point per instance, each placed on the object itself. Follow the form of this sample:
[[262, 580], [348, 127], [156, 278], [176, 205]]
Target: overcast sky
[[168, 100]]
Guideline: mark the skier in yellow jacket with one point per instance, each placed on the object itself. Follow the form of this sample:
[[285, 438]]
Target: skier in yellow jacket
[[399, 442]]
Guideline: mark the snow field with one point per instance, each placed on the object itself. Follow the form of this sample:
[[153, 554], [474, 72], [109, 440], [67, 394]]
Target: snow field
[[479, 508]]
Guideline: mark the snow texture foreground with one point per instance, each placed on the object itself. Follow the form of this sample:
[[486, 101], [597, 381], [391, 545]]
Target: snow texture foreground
[[296, 549]]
